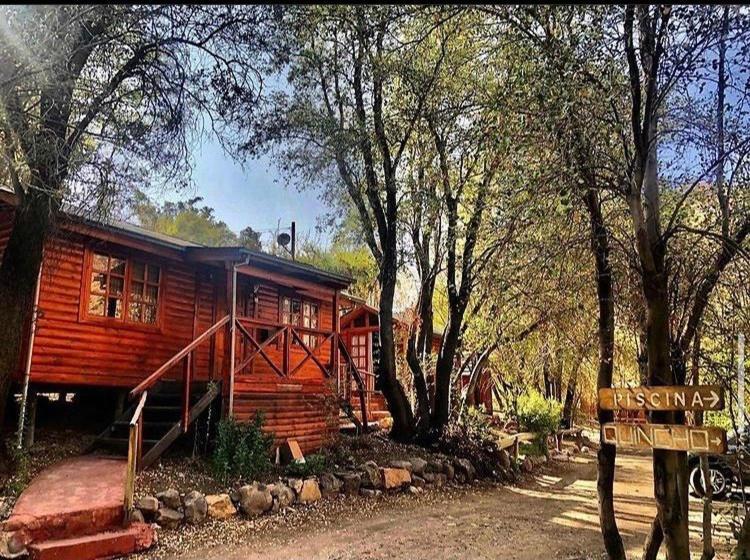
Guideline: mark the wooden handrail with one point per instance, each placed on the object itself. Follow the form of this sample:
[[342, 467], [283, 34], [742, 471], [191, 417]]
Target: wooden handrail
[[360, 383], [267, 324], [135, 451], [174, 360]]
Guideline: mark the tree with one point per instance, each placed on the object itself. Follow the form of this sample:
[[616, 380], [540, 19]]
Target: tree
[[359, 81], [191, 222], [94, 97]]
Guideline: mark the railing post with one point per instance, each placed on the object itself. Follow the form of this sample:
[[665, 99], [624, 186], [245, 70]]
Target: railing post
[[187, 374], [287, 347]]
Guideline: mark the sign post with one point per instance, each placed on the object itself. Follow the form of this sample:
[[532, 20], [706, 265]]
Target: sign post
[[741, 382], [697, 439]]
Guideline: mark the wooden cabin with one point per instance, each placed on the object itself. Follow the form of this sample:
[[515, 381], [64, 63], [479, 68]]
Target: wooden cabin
[[175, 325]]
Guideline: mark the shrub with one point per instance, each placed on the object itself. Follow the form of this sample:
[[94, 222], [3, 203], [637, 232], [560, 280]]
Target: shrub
[[539, 415], [242, 451], [472, 438], [314, 465]]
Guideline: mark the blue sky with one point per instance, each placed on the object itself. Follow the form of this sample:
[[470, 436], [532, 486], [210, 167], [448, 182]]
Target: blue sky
[[255, 195]]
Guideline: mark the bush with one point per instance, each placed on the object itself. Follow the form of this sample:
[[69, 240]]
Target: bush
[[242, 452], [539, 415], [314, 465], [472, 438]]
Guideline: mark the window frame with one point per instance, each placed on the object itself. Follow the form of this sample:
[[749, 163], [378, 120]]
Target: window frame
[[88, 269], [306, 337]]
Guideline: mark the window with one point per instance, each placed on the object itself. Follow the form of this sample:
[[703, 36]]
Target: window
[[107, 296], [300, 313]]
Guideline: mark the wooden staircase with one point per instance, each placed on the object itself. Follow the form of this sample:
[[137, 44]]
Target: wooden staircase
[[162, 420]]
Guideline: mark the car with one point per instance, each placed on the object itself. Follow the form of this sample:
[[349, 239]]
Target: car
[[726, 471]]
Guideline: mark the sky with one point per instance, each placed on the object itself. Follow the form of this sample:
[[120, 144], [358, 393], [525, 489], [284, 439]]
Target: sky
[[255, 195]]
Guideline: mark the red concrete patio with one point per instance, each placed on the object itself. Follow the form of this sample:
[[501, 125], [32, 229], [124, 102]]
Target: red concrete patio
[[77, 507]]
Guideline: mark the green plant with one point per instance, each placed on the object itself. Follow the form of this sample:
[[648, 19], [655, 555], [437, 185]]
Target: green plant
[[314, 465], [242, 451], [539, 415], [19, 468]]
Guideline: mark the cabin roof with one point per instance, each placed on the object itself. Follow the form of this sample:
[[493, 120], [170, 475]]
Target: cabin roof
[[201, 253]]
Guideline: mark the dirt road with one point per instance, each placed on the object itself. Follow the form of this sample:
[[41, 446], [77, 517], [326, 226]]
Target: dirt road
[[552, 516]]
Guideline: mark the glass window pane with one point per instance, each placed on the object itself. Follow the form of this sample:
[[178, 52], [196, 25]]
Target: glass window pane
[[100, 262], [135, 312], [295, 316], [114, 307], [136, 291], [117, 266], [96, 305], [98, 283], [138, 271], [116, 285], [149, 314], [153, 274], [152, 292]]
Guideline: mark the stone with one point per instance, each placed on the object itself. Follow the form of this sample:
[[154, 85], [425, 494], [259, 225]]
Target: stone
[[418, 466], [449, 471], [371, 475], [351, 482], [429, 477], [169, 518], [465, 467], [329, 484], [369, 492], [401, 465], [310, 492], [220, 506], [195, 507], [394, 478], [290, 452], [418, 481], [414, 490], [136, 516], [528, 465], [460, 477], [283, 495], [234, 495], [295, 484], [503, 457], [433, 467], [585, 450], [148, 505], [170, 498], [255, 499]]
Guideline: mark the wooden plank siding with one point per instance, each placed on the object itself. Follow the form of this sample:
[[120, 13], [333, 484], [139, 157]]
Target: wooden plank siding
[[72, 349]]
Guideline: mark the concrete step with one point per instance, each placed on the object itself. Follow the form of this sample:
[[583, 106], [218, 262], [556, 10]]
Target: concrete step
[[122, 542]]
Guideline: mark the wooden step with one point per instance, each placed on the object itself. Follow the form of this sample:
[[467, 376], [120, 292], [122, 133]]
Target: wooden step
[[116, 542]]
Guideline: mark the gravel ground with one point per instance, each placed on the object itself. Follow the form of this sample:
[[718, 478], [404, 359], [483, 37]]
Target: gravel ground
[[552, 514]]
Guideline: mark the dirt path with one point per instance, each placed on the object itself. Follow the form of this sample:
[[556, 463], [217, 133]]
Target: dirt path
[[552, 516]]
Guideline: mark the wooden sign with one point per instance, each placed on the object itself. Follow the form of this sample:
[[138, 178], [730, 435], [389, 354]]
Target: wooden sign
[[699, 397], [700, 439]]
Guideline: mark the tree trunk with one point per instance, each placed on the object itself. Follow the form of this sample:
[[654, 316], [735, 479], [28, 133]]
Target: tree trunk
[[570, 395], [398, 404], [742, 552], [444, 369], [606, 331], [18, 275], [653, 540]]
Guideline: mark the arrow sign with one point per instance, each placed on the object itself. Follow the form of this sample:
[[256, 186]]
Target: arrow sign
[[699, 439], [698, 397]]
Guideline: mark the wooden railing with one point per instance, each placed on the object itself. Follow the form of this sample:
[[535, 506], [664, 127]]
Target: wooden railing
[[186, 357], [354, 373], [284, 336], [135, 451]]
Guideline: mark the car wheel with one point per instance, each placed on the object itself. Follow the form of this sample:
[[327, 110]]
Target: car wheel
[[720, 481]]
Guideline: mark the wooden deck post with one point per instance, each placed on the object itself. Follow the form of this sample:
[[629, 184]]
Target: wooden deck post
[[232, 335], [335, 341]]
